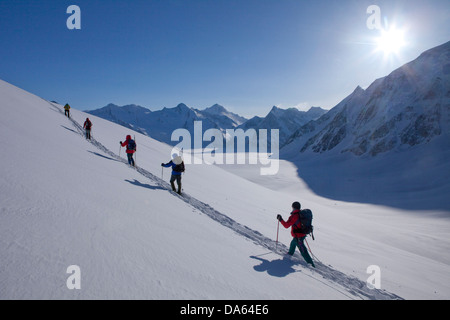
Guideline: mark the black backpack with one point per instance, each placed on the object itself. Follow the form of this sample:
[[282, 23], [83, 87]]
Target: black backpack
[[305, 220], [131, 145], [179, 167]]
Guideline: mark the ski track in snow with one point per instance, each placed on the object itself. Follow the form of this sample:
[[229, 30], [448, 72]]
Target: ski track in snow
[[354, 288]]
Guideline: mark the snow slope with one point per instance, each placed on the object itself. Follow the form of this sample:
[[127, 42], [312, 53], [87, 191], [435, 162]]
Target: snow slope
[[66, 201]]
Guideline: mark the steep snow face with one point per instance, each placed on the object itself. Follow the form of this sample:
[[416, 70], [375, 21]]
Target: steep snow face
[[409, 107]]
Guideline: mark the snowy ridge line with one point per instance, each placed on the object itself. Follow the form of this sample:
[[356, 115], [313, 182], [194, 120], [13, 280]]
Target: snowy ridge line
[[350, 284]]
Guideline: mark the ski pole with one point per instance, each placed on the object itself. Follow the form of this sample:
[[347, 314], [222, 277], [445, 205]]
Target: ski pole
[[312, 254], [278, 229], [120, 150], [135, 152]]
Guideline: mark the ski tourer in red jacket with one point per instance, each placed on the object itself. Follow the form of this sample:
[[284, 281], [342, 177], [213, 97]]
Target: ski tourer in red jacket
[[294, 222], [131, 149], [298, 237], [125, 144]]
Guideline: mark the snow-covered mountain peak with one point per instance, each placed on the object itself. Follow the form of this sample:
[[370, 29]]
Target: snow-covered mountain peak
[[216, 109], [183, 107], [224, 118], [358, 91], [408, 107]]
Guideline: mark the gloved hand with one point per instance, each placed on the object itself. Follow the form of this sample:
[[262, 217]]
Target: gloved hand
[[162, 164], [120, 142], [279, 217]]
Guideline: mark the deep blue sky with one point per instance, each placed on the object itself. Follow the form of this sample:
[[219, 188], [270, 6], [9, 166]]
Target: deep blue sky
[[247, 55]]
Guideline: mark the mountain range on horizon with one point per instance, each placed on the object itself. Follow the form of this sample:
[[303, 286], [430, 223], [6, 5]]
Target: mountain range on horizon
[[161, 123]]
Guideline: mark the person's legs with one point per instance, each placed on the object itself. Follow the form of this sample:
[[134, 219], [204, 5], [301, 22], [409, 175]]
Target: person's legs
[[179, 184], [130, 159], [292, 247], [304, 251], [172, 182]]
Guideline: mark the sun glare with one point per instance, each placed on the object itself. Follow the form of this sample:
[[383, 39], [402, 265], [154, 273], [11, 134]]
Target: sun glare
[[391, 41]]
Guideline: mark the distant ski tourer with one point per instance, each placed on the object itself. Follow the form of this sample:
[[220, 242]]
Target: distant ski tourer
[[67, 110], [131, 149], [178, 168], [88, 126]]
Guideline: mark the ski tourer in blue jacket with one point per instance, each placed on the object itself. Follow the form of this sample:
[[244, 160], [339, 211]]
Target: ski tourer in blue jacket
[[174, 167], [177, 166]]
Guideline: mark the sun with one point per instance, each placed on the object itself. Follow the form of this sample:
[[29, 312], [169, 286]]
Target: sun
[[391, 41]]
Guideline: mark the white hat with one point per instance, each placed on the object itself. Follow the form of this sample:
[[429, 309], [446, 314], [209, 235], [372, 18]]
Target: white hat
[[177, 160]]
